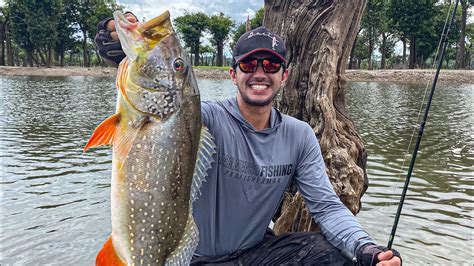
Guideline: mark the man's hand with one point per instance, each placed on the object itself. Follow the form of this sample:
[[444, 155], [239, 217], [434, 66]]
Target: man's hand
[[107, 41], [373, 255], [387, 258]]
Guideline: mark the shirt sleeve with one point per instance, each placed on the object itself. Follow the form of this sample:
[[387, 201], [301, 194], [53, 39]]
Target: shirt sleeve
[[207, 114], [338, 224]]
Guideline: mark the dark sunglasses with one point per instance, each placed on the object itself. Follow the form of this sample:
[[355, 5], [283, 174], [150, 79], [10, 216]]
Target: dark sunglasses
[[269, 65]]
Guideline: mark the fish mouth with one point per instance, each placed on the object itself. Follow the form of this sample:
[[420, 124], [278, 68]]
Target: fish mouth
[[157, 28]]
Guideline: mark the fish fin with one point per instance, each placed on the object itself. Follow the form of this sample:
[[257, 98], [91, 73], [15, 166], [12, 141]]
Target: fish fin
[[104, 133], [183, 253], [205, 158], [124, 140], [108, 256], [122, 74], [130, 38]]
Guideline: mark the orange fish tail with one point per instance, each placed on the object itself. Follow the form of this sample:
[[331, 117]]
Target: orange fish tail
[[108, 256]]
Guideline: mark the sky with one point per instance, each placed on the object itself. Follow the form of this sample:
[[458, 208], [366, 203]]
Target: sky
[[238, 10]]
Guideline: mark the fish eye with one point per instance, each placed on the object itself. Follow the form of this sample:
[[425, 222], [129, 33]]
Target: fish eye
[[179, 65]]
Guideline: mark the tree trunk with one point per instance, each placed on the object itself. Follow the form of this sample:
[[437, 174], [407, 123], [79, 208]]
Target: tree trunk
[[29, 56], [8, 44], [404, 55], [42, 57], [461, 56], [220, 53], [351, 57], [370, 51], [2, 43], [315, 92], [61, 58], [85, 53], [383, 51], [50, 56], [411, 64], [196, 56]]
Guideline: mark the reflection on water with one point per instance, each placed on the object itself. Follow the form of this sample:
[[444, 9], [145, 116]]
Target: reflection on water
[[55, 199], [436, 223]]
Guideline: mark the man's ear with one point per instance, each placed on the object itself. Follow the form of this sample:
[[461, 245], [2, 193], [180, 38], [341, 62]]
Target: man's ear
[[233, 75], [284, 75]]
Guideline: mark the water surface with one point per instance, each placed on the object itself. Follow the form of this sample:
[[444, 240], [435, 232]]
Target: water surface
[[55, 199]]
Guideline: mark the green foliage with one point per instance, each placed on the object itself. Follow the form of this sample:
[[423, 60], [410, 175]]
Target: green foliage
[[219, 26], [255, 22], [191, 27]]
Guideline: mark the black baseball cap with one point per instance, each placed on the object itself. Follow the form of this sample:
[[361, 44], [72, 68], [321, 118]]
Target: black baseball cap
[[259, 39]]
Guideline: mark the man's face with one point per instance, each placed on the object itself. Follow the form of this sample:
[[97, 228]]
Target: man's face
[[258, 88]]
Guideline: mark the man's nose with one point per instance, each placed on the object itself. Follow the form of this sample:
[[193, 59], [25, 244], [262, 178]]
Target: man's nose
[[259, 71]]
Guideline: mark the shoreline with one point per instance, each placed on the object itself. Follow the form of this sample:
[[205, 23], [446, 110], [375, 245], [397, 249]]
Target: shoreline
[[419, 76]]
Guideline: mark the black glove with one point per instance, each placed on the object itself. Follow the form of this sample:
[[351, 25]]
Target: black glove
[[108, 48], [367, 254]]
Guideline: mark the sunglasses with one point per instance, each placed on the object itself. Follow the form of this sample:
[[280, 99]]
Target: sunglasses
[[269, 65]]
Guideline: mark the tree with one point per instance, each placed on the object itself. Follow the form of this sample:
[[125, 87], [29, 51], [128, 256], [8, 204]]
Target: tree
[[318, 40], [461, 61], [371, 24], [4, 29], [65, 33], [220, 26], [191, 27], [412, 19], [87, 14], [22, 25], [470, 42]]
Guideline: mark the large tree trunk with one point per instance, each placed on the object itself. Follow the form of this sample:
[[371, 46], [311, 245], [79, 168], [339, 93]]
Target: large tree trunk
[[461, 56], [319, 36]]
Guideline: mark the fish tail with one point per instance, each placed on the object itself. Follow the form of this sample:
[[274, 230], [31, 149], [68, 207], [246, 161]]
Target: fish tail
[[108, 256]]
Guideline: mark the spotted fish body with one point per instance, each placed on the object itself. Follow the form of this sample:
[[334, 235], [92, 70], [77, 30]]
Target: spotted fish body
[[160, 149]]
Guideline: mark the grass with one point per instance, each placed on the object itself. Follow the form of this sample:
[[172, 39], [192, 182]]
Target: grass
[[212, 67]]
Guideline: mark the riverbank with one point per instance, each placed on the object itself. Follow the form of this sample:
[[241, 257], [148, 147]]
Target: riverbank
[[393, 75]]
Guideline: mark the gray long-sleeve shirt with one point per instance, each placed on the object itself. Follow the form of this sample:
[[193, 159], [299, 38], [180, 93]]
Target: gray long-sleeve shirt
[[252, 170]]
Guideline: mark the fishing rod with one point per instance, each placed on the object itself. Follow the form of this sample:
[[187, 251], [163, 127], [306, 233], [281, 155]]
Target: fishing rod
[[421, 128]]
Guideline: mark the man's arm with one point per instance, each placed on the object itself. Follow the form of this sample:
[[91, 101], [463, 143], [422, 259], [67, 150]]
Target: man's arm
[[338, 224]]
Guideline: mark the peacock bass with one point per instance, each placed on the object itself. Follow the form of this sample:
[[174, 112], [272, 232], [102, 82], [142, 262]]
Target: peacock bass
[[161, 151]]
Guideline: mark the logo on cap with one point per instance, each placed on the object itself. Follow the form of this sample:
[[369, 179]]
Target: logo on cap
[[266, 34], [274, 43]]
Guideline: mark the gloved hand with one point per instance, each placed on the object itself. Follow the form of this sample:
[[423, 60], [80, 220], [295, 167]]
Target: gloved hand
[[107, 41], [371, 254]]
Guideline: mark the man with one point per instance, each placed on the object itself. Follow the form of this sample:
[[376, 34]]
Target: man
[[259, 152]]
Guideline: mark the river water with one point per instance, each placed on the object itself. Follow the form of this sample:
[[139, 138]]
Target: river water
[[55, 198]]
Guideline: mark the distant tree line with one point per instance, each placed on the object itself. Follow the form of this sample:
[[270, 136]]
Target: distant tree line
[[44, 32], [415, 26], [61, 32]]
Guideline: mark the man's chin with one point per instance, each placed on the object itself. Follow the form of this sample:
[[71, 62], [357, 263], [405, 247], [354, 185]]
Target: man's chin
[[258, 102]]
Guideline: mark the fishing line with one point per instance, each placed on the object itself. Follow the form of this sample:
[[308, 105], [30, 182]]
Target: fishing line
[[444, 41], [418, 118], [422, 103]]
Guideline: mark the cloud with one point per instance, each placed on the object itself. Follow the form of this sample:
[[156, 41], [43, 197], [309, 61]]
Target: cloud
[[237, 10]]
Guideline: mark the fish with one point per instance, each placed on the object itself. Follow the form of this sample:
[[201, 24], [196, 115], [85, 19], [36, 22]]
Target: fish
[[160, 150]]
